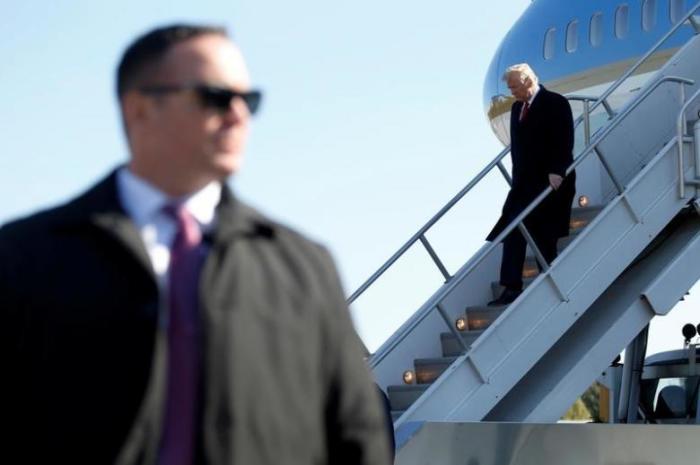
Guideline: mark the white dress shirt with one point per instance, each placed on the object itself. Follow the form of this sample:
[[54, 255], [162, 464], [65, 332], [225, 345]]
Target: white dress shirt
[[144, 203], [529, 103], [534, 94]]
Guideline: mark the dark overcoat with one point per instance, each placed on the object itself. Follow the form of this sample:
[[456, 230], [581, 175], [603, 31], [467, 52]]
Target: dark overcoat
[[83, 354], [540, 144]]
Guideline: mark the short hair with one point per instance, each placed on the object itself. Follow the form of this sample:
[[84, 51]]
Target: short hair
[[142, 57], [524, 71]]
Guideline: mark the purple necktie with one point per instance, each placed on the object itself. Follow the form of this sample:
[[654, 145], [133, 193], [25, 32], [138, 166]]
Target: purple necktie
[[523, 111], [178, 433]]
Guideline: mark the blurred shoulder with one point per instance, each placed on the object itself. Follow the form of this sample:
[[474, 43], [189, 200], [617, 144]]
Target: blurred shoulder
[[554, 97], [285, 236]]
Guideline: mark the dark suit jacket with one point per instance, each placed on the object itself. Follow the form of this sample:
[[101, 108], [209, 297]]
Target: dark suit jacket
[[541, 144], [83, 355]]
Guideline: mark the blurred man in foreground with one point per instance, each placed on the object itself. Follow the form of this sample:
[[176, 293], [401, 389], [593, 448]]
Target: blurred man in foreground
[[156, 319]]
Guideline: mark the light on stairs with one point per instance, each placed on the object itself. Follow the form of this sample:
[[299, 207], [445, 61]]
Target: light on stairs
[[583, 201], [408, 377], [461, 324]]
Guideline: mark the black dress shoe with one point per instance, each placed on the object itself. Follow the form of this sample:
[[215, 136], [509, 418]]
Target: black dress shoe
[[507, 296]]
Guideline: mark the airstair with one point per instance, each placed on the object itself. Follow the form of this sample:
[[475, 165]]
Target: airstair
[[631, 256]]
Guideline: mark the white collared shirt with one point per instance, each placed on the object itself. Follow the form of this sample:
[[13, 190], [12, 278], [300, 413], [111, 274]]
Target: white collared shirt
[[531, 99], [529, 102], [144, 203]]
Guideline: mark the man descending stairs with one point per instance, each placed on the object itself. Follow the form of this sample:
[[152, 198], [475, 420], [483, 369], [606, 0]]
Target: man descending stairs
[[475, 320], [542, 142]]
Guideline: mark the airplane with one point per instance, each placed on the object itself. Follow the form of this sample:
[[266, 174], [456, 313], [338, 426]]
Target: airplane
[[580, 49]]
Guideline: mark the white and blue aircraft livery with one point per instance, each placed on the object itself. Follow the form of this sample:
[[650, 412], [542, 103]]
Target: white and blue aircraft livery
[[581, 47]]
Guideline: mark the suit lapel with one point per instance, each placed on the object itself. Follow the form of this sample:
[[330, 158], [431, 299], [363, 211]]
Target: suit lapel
[[537, 104], [121, 228], [101, 208], [518, 108]]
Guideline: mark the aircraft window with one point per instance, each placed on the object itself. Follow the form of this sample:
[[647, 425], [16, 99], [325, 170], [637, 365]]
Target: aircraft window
[[596, 29], [676, 8], [648, 15], [572, 36], [549, 37], [622, 21]]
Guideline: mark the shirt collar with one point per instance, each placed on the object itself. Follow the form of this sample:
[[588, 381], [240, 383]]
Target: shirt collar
[[537, 91], [142, 201]]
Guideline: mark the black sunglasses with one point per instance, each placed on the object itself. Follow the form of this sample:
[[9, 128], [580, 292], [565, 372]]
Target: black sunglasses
[[216, 98]]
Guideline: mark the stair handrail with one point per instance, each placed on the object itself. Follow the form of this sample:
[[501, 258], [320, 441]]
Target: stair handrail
[[613, 87], [517, 222], [680, 132], [420, 234], [591, 148]]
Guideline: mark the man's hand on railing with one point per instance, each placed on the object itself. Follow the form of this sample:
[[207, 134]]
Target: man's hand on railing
[[555, 180]]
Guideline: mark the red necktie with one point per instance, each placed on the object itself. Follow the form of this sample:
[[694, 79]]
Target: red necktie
[[178, 433], [523, 112]]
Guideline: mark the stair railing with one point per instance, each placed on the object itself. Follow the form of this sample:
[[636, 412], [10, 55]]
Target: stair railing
[[497, 162], [591, 147], [586, 114], [518, 221], [680, 137]]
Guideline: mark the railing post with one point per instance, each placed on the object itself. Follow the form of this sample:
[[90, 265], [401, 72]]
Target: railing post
[[681, 168], [604, 162], [608, 108], [399, 253], [682, 95], [680, 138], [451, 327], [505, 174], [696, 146], [681, 133], [586, 122], [531, 242], [694, 22], [435, 258]]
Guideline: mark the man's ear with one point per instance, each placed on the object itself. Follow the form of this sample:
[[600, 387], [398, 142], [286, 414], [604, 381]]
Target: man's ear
[[135, 108]]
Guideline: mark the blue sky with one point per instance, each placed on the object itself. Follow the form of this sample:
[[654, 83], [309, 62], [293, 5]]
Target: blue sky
[[372, 120]]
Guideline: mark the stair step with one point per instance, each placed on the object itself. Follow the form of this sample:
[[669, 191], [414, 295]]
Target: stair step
[[451, 347], [497, 289], [583, 215], [564, 242], [402, 396], [481, 317], [530, 269], [429, 369], [586, 211], [580, 217]]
